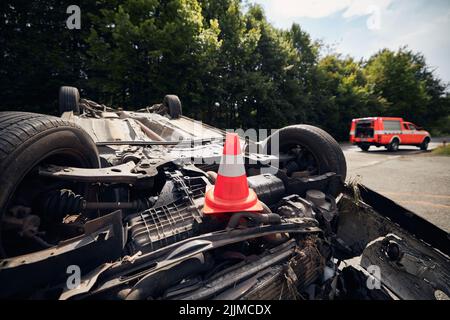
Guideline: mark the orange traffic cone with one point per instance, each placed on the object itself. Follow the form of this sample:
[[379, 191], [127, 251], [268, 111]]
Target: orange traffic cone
[[231, 192]]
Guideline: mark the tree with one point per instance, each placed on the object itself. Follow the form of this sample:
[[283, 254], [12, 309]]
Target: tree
[[302, 74], [148, 48], [130, 53], [38, 53], [409, 87], [230, 76], [342, 94]]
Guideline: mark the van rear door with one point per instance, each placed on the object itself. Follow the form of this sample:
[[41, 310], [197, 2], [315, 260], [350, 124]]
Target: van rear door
[[364, 129]]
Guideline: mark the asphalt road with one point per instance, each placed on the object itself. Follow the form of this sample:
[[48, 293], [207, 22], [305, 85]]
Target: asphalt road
[[415, 179]]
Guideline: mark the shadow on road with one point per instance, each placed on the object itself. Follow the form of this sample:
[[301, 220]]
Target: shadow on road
[[400, 152], [403, 150]]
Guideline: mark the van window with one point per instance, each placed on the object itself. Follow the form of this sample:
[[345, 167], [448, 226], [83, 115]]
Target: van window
[[392, 125]]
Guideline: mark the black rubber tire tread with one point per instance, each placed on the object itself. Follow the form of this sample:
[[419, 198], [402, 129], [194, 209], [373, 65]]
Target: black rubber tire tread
[[27, 138], [364, 148], [18, 127], [424, 145], [336, 147], [69, 100], [173, 103], [390, 147], [319, 142]]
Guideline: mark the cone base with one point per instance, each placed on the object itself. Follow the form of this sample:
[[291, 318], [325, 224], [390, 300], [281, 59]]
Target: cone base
[[216, 205]]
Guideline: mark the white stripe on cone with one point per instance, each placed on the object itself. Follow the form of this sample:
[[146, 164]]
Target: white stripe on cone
[[232, 165]]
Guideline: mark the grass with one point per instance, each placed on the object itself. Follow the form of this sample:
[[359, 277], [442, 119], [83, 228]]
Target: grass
[[353, 183], [442, 150]]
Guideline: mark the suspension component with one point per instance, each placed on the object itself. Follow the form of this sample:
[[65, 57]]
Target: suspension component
[[60, 203], [64, 202], [139, 204]]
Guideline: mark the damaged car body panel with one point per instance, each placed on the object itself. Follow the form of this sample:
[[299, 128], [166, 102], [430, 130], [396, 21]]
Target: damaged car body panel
[[125, 207], [398, 243]]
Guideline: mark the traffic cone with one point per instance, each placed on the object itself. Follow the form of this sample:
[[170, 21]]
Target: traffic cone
[[231, 192]]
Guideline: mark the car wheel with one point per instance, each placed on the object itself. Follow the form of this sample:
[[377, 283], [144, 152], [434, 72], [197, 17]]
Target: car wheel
[[393, 146], [28, 140], [69, 100], [314, 150], [173, 103], [364, 147], [424, 144]]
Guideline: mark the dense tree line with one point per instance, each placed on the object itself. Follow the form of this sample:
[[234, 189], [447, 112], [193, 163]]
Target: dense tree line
[[230, 67]]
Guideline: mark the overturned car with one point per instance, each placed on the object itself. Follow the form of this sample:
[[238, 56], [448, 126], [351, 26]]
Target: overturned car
[[103, 203]]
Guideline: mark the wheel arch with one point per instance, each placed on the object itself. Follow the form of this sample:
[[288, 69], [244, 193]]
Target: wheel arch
[[396, 137]]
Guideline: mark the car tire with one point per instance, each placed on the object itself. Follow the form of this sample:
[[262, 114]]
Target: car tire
[[325, 149], [27, 139], [424, 145], [364, 147], [69, 100], [173, 104], [393, 146]]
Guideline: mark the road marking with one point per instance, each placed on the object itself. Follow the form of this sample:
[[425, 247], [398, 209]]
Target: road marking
[[441, 196], [425, 203], [373, 163]]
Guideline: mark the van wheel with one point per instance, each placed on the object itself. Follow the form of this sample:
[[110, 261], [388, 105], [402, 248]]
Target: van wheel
[[424, 145], [312, 149], [69, 100], [364, 147], [393, 146], [29, 140]]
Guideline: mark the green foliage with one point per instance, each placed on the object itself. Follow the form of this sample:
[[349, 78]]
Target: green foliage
[[344, 94], [442, 150], [404, 80], [147, 48], [441, 127], [130, 53], [38, 53]]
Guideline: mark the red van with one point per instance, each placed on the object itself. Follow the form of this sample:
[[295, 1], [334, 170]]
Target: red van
[[388, 132]]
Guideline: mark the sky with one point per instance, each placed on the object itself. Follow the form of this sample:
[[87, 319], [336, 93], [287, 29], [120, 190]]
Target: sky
[[360, 28]]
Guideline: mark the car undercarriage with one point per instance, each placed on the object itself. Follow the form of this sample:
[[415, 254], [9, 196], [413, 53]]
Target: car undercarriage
[[116, 198]]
